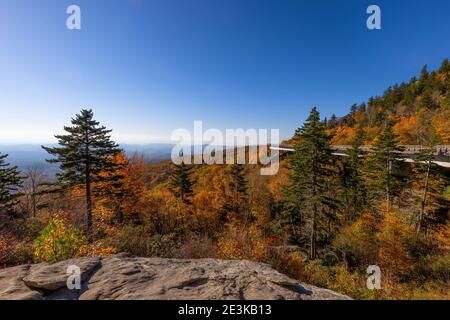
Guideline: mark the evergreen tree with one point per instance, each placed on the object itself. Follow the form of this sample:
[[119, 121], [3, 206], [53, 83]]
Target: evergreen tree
[[84, 155], [332, 123], [424, 73], [378, 167], [351, 117], [362, 107], [237, 184], [180, 182], [423, 79], [445, 67], [351, 176], [10, 182], [312, 173], [426, 100]]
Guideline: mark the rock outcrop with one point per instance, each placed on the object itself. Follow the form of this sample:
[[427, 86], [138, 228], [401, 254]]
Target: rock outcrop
[[124, 277]]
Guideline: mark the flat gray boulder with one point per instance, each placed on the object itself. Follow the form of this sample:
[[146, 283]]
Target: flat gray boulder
[[121, 277], [51, 277]]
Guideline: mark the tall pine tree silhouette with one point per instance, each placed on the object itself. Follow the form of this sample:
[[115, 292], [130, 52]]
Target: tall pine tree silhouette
[[10, 182], [85, 152], [312, 169]]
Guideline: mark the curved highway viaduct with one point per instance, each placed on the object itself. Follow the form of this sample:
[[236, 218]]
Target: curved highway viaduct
[[409, 154]]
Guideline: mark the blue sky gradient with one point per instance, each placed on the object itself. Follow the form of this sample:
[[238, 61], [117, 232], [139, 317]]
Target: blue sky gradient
[[149, 67]]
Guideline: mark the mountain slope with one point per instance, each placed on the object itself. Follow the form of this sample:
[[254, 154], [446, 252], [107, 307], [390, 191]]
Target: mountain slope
[[420, 109]]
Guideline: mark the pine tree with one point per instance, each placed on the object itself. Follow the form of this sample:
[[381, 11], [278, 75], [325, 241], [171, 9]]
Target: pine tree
[[237, 184], [351, 117], [424, 73], [351, 175], [10, 182], [378, 167], [427, 101], [180, 182], [423, 79], [312, 170], [332, 123], [84, 153], [445, 66]]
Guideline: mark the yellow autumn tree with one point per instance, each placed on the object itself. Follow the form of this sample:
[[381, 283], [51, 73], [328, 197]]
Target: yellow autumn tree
[[356, 242], [242, 243], [393, 255], [407, 130], [59, 240], [344, 136], [441, 124]]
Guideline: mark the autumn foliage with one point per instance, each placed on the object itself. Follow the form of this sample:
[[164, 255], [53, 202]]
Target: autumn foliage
[[367, 209]]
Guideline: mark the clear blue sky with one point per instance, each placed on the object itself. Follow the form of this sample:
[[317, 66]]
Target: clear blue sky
[[148, 67]]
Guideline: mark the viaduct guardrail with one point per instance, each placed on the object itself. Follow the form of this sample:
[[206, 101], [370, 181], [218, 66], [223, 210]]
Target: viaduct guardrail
[[409, 154]]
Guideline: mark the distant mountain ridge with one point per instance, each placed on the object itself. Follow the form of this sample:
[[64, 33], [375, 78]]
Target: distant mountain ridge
[[25, 155]]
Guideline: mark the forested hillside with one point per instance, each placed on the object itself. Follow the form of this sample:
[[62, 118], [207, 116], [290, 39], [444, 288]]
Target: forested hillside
[[420, 109], [322, 219]]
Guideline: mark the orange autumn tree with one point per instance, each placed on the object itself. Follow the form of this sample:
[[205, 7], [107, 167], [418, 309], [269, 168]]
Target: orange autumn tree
[[407, 130], [124, 196], [134, 185], [441, 123], [393, 238], [206, 212], [343, 136], [237, 242]]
